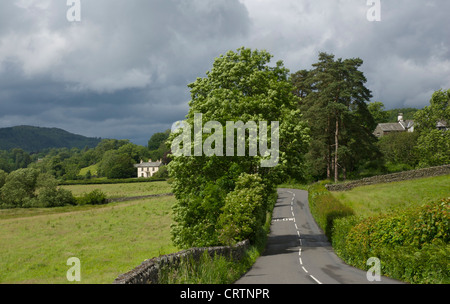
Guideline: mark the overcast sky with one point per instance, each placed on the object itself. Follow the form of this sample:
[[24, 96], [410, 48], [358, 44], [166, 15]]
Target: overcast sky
[[122, 71]]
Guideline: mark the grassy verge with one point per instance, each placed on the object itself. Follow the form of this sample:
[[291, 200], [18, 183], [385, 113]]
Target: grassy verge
[[109, 240], [391, 197], [210, 270], [406, 225]]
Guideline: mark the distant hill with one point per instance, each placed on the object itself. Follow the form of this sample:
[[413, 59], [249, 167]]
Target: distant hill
[[36, 139]]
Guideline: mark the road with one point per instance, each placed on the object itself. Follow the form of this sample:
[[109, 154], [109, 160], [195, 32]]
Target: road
[[298, 252]]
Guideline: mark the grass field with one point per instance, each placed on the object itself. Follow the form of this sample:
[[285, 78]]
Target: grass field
[[123, 190], [109, 240], [384, 198]]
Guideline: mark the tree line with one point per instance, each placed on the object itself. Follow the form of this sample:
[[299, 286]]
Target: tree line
[[111, 158]]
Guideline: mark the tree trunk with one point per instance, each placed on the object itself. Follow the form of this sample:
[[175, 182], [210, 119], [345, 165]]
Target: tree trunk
[[328, 153], [336, 141]]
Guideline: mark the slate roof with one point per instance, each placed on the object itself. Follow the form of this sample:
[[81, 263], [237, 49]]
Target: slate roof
[[148, 164], [389, 127], [396, 126]]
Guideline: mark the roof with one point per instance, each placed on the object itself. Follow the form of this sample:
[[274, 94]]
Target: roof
[[441, 124], [394, 126], [148, 164]]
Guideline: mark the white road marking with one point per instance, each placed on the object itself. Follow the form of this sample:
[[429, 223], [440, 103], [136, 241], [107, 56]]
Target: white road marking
[[299, 239], [315, 279]]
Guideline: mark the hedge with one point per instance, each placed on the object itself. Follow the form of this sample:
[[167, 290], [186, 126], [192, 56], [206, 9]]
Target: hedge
[[412, 245], [325, 208]]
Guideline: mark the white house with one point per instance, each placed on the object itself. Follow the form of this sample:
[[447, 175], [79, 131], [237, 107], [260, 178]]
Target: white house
[[148, 169]]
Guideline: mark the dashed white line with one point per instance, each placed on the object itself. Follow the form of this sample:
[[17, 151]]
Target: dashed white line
[[318, 282], [300, 240]]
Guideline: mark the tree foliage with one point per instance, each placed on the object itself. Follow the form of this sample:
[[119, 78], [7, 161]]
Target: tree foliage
[[433, 146], [240, 87], [334, 105]]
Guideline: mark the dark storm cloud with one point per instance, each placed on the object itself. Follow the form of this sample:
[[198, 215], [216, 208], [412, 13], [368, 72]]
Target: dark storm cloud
[[122, 72]]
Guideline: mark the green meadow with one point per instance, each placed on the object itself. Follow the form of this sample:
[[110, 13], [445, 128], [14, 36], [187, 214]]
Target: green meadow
[[390, 197], [108, 240], [123, 190]]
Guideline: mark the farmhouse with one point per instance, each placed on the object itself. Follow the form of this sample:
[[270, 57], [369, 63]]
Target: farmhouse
[[148, 169], [400, 126]]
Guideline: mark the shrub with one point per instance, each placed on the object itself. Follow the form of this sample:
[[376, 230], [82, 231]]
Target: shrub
[[95, 197], [326, 208], [244, 211], [412, 245], [19, 188]]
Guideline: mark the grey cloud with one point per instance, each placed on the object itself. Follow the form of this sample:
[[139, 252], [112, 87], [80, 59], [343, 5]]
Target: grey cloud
[[123, 71]]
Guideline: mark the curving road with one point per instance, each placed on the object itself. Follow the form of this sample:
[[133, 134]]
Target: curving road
[[298, 252]]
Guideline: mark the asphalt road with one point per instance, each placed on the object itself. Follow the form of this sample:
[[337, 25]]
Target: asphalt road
[[298, 252]]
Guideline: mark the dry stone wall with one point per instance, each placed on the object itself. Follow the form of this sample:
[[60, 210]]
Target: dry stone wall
[[388, 178], [149, 271]]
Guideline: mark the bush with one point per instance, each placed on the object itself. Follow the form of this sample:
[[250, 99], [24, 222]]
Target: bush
[[326, 208], [95, 197], [244, 211], [412, 245]]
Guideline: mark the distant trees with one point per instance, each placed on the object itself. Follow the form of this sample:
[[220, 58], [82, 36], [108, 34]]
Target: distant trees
[[334, 104], [433, 145], [378, 112], [158, 147], [24, 188]]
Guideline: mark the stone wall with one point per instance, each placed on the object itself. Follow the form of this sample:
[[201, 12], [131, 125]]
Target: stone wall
[[395, 177], [148, 272]]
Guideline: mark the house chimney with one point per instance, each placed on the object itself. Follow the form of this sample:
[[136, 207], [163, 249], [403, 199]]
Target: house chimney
[[400, 117], [150, 160], [141, 161]]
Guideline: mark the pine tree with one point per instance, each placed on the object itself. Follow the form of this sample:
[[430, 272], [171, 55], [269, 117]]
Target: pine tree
[[334, 105]]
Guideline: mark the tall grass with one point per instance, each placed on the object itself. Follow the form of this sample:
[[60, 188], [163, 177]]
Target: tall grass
[[209, 270]]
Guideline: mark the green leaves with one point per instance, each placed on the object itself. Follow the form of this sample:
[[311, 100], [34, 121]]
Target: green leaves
[[241, 86]]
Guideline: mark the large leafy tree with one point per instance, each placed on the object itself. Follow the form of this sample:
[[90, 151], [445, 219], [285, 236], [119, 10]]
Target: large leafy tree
[[334, 104], [241, 86]]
